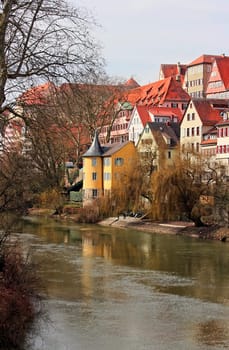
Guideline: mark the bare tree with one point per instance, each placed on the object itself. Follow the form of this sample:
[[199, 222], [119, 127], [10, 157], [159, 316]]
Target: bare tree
[[91, 106], [44, 40], [40, 41]]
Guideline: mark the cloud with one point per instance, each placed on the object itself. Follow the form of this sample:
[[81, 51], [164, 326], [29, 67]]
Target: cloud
[[140, 35]]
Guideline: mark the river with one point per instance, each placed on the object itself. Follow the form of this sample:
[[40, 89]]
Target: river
[[119, 289]]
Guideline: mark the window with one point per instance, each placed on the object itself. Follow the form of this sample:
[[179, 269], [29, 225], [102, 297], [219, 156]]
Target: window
[[169, 154], [107, 176], [197, 130], [193, 131], [93, 161], [94, 176], [106, 161], [94, 193], [119, 161], [187, 132], [188, 116], [193, 116]]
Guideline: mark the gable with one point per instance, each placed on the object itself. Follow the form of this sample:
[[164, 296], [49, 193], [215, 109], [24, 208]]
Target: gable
[[191, 116], [202, 111], [223, 67], [219, 78]]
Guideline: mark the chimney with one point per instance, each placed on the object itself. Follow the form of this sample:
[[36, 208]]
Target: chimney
[[178, 71]]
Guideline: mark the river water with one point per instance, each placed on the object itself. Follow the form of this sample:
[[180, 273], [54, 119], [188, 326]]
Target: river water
[[118, 289]]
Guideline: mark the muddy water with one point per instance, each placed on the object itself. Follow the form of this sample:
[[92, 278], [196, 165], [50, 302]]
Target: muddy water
[[112, 289]]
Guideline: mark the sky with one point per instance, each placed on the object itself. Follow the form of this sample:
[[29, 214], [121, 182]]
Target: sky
[[138, 36]]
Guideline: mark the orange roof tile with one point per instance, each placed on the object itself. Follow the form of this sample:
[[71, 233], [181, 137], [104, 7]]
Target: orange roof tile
[[157, 93], [208, 114], [169, 70], [131, 83], [38, 95], [166, 111], [223, 67], [209, 142], [173, 70], [143, 114], [203, 59]]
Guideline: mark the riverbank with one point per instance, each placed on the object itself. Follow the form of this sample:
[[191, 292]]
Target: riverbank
[[213, 232], [184, 228]]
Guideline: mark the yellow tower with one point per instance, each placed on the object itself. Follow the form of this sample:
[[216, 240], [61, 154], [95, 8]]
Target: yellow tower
[[103, 167], [93, 171]]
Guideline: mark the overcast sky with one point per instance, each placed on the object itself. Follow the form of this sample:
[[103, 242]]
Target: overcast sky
[[138, 35]]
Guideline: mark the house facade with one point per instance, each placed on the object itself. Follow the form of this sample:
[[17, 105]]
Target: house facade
[[167, 94], [200, 116], [197, 76], [103, 167], [139, 117], [218, 83], [158, 144], [118, 129], [222, 149], [209, 144]]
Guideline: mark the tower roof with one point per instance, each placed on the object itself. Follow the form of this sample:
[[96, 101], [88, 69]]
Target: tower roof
[[95, 149]]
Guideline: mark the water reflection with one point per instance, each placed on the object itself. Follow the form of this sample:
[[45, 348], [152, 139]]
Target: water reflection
[[111, 288], [190, 267]]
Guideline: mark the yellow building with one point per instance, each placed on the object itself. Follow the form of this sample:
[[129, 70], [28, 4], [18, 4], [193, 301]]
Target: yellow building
[[197, 75], [104, 165], [158, 144], [200, 117]]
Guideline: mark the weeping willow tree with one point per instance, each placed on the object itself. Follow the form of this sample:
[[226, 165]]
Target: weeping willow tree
[[178, 189], [126, 194]]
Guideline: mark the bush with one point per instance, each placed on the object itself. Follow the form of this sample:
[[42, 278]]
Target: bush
[[52, 199], [96, 211], [89, 214], [19, 298]]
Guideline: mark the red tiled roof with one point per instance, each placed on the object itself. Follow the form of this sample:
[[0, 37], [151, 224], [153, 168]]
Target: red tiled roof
[[131, 83], [166, 111], [223, 67], [203, 59], [38, 95], [172, 70], [176, 93], [157, 93], [143, 114], [169, 70], [209, 142], [207, 113]]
